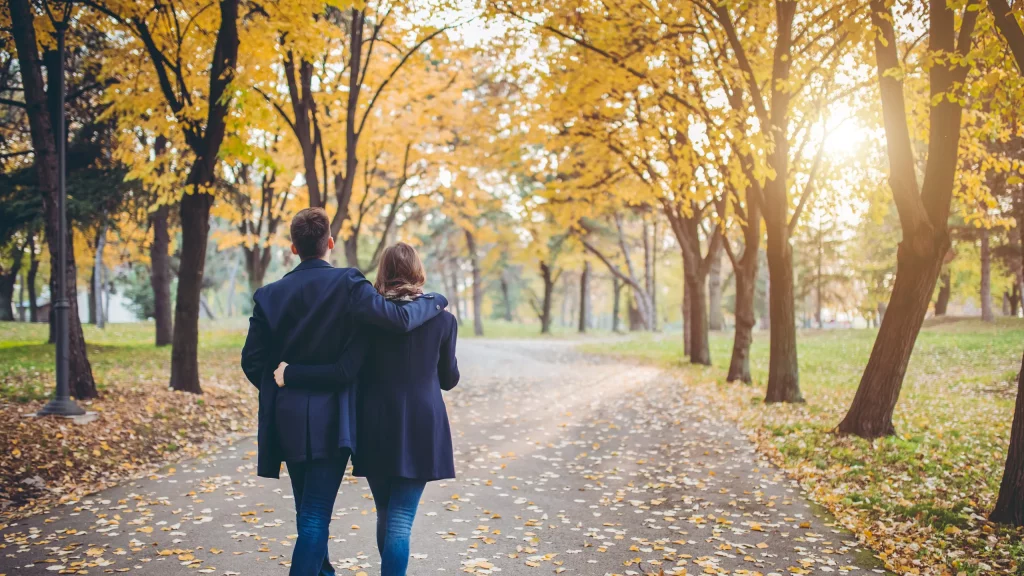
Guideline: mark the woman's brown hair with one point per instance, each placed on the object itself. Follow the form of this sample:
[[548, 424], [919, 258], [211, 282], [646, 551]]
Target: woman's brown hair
[[400, 274]]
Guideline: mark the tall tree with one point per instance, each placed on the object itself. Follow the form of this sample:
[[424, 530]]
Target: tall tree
[[45, 162], [167, 33], [923, 209], [1009, 506]]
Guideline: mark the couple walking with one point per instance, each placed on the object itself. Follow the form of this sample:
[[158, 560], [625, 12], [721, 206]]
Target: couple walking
[[349, 369]]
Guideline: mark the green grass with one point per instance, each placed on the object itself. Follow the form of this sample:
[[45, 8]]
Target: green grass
[[117, 352], [927, 484]]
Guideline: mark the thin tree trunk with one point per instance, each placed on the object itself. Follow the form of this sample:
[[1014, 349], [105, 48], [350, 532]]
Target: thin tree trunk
[[945, 290], [584, 298], [478, 288], [549, 279], [453, 279], [40, 107], [33, 270], [97, 275], [344, 183], [105, 289], [746, 268], [7, 281], [783, 372], [21, 299], [716, 319], [195, 233], [695, 274], [160, 275], [505, 296], [616, 298], [231, 287], [746, 283], [654, 278], [90, 300], [1009, 508], [818, 281], [687, 312], [986, 278]]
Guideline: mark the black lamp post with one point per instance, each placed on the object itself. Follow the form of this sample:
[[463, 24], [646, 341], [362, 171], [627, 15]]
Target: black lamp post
[[61, 404]]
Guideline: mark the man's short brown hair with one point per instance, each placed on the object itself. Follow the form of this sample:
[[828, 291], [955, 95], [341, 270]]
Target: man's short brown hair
[[310, 232]]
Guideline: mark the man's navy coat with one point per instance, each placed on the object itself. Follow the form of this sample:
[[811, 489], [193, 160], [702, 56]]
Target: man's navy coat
[[312, 316]]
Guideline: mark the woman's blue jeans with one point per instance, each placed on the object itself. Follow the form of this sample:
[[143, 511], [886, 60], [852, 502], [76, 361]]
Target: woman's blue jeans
[[396, 500], [315, 485]]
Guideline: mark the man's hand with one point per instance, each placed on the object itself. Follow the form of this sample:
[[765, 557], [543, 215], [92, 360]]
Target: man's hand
[[279, 374]]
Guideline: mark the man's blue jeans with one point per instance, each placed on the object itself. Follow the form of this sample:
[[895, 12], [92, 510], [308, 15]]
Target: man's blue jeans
[[396, 500], [315, 485]]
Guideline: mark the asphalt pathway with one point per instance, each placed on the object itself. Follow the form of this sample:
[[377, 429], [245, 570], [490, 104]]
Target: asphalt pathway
[[566, 464]]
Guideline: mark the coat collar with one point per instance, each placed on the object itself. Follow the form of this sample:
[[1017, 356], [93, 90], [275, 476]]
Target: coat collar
[[311, 264]]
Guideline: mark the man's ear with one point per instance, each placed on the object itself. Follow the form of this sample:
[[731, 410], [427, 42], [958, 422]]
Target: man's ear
[[295, 250], [330, 243]]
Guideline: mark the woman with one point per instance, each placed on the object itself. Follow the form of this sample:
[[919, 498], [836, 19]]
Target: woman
[[404, 440]]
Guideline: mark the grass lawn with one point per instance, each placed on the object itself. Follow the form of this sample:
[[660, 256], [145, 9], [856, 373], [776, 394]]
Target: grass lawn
[[141, 425], [920, 498]]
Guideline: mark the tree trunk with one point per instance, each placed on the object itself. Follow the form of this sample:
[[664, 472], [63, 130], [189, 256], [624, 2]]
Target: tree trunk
[[505, 296], [653, 280], [549, 280], [478, 288], [33, 270], [986, 278], [38, 108], [616, 298], [90, 300], [453, 279], [695, 274], [98, 278], [584, 298], [344, 183], [746, 283], [1009, 508], [783, 372], [716, 319], [160, 274], [195, 232], [945, 290], [819, 287], [870, 416], [21, 299], [923, 210], [7, 281], [232, 279], [746, 268], [105, 289], [257, 260], [1015, 299], [195, 206], [687, 312], [700, 351]]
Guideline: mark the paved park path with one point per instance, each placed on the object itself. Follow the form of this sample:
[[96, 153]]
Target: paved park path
[[567, 464]]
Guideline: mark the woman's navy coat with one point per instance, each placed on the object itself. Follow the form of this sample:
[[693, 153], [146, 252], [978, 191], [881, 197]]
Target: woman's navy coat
[[402, 422]]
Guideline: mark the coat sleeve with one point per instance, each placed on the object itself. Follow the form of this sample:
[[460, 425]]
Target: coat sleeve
[[257, 348], [371, 308], [447, 364], [329, 376]]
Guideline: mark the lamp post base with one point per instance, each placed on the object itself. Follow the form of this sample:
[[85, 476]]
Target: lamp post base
[[61, 407]]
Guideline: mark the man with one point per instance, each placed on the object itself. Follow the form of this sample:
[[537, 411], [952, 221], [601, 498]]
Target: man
[[313, 316]]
